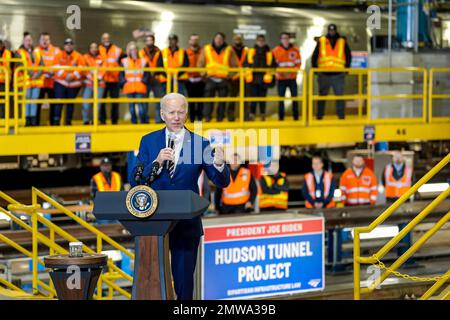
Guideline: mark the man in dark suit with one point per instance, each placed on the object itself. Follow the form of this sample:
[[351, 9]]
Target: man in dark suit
[[178, 168]]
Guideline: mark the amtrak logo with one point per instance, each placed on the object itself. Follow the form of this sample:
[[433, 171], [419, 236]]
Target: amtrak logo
[[314, 282], [142, 201]]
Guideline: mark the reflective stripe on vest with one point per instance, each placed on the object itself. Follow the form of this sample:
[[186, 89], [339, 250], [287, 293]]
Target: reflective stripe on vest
[[238, 191], [396, 188], [134, 77], [329, 57], [217, 64], [171, 61], [268, 76], [279, 200], [102, 184]]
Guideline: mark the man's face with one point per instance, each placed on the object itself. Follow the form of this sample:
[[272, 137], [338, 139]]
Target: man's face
[[174, 114], [397, 158], [260, 42], [358, 162], [173, 42], [106, 39], [106, 168], [194, 41], [93, 49], [27, 42], [68, 47], [332, 33], [149, 41], [235, 162], [218, 40], [133, 51], [285, 40], [237, 41], [317, 164], [44, 41]]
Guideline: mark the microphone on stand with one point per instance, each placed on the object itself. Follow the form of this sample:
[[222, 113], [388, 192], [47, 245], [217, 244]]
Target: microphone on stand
[[139, 171], [171, 145], [153, 173]]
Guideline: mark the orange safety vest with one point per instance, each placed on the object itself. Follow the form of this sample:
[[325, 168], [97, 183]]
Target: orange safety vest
[[152, 62], [329, 57], [73, 59], [358, 190], [240, 60], [49, 56], [193, 60], [217, 64], [134, 78], [268, 76], [396, 188], [33, 59], [102, 185], [111, 58], [238, 191], [287, 58], [279, 200], [4, 63], [175, 60], [92, 61], [310, 183]]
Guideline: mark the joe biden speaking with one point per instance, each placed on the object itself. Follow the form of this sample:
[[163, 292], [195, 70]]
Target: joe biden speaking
[[172, 159]]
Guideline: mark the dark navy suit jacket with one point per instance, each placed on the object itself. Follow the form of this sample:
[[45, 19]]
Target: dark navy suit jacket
[[195, 156]]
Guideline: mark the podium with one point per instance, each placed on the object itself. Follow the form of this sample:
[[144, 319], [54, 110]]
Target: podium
[[152, 275]]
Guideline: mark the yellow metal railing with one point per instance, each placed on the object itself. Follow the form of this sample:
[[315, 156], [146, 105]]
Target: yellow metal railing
[[364, 98], [434, 96], [375, 259], [108, 278]]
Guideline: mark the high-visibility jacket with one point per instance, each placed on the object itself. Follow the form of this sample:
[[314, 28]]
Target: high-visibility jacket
[[238, 191], [134, 78], [310, 183], [91, 61], [217, 64], [4, 63], [111, 58], [48, 56], [358, 190], [396, 188], [268, 76], [102, 184], [329, 57], [193, 57], [65, 59], [287, 58], [173, 60], [152, 59], [32, 58], [240, 60], [277, 200]]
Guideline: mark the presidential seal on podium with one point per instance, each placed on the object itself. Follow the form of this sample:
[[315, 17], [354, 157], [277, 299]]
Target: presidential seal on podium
[[142, 201]]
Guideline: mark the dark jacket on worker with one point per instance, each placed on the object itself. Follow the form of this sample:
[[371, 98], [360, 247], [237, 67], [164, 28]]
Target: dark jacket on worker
[[319, 186], [333, 40], [260, 61], [223, 208]]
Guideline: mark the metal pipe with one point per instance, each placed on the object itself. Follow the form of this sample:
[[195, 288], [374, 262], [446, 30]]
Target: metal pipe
[[390, 39]]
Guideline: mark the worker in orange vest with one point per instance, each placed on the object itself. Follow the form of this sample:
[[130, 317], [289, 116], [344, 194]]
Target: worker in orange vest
[[92, 59], [173, 57], [240, 194], [106, 179], [332, 52], [397, 177], [218, 57], [34, 79], [48, 53], [240, 51], [195, 85], [151, 53], [112, 56], [5, 54], [134, 82], [287, 56], [358, 184], [274, 189], [319, 186], [260, 56], [67, 82]]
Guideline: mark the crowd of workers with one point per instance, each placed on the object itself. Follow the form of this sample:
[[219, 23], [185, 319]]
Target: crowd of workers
[[332, 52], [357, 184]]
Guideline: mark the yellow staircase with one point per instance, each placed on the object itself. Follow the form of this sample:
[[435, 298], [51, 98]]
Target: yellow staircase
[[385, 271], [40, 289]]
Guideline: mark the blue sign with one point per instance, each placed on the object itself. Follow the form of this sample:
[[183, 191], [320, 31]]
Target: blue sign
[[242, 261], [369, 133], [82, 142], [360, 59]]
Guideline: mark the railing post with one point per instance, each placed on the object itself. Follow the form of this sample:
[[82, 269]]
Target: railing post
[[369, 96], [360, 91], [430, 97], [100, 282], [241, 96], [35, 247], [7, 99], [168, 82], [95, 104], [304, 98], [311, 92], [356, 267], [16, 101], [424, 98]]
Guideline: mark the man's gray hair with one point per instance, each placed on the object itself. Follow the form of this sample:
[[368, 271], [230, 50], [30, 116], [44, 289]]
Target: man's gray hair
[[173, 96]]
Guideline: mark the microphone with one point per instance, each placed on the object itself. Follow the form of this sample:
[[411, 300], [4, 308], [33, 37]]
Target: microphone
[[171, 145], [139, 171], [153, 173]]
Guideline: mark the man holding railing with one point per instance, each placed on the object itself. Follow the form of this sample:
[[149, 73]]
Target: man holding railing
[[332, 52]]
